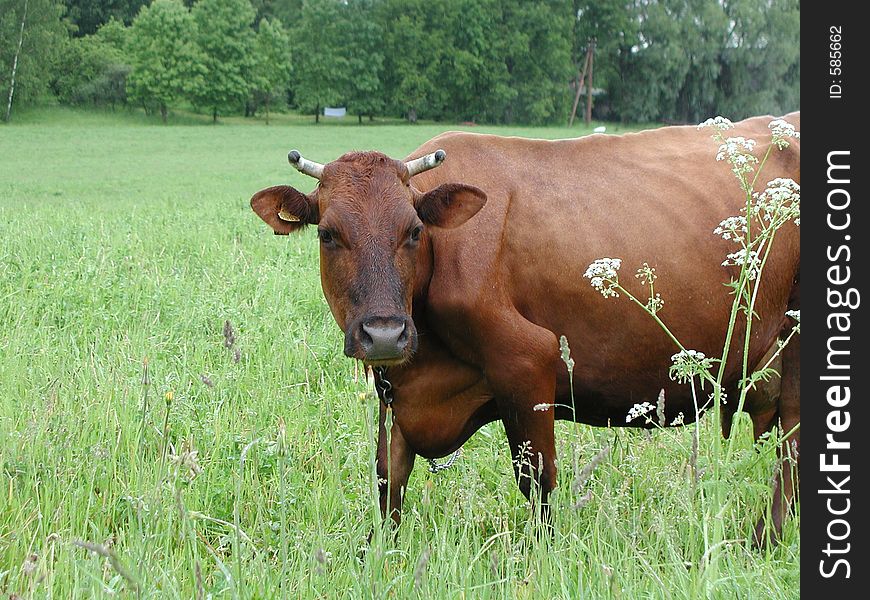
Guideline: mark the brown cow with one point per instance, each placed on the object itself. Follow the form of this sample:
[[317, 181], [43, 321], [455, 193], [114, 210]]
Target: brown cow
[[458, 282]]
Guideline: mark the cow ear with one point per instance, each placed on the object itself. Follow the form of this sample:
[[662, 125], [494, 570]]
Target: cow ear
[[285, 209], [450, 205]]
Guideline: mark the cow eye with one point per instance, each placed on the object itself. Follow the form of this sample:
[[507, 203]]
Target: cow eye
[[325, 237], [414, 236]]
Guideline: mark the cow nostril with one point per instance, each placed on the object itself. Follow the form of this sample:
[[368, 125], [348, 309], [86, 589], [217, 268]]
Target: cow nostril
[[365, 339]]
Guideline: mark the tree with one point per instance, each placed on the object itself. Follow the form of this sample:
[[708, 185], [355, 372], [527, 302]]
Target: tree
[[30, 35], [113, 33], [684, 60], [409, 56], [363, 36], [226, 40], [89, 15], [167, 64], [271, 74], [320, 65], [536, 38], [761, 59], [91, 70]]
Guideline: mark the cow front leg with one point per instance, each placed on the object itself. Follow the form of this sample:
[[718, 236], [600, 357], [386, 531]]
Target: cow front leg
[[394, 465], [524, 382], [533, 452]]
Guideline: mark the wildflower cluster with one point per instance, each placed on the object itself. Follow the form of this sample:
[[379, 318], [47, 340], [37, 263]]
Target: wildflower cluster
[[719, 123], [732, 228], [742, 257], [639, 410], [781, 130], [767, 210], [796, 316], [603, 276], [647, 275], [780, 202], [688, 363], [738, 152]]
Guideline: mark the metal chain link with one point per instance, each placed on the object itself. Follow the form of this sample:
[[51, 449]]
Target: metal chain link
[[435, 467], [385, 387]]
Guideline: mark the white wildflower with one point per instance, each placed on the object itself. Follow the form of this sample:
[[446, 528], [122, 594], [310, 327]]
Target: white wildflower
[[565, 350], [678, 420], [780, 202], [796, 315], [720, 123], [738, 152], [542, 407], [688, 363], [646, 274], [638, 410], [655, 304], [684, 355], [603, 276], [743, 257], [781, 130], [732, 228], [734, 146]]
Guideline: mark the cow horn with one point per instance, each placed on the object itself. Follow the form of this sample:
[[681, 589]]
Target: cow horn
[[424, 163], [308, 167]]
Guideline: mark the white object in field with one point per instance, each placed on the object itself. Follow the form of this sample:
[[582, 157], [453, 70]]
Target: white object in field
[[334, 112], [601, 129]]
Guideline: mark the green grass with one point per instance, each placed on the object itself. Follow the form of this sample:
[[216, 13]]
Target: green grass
[[123, 240]]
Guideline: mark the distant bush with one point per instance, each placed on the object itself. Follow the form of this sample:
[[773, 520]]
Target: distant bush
[[92, 70]]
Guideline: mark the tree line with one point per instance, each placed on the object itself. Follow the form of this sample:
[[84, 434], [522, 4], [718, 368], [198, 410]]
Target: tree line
[[486, 61]]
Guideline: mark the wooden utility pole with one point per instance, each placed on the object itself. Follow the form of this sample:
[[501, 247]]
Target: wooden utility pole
[[579, 87], [588, 118], [15, 63]]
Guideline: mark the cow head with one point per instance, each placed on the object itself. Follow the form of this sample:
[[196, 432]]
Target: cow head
[[371, 222]]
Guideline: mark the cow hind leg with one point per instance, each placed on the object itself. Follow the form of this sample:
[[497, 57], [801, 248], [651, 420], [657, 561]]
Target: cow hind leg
[[785, 487]]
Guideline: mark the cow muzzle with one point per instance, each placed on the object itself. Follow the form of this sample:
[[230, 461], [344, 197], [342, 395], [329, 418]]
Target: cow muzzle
[[381, 340]]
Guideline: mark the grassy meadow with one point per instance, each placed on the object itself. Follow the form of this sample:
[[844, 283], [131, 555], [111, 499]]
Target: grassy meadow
[[146, 451]]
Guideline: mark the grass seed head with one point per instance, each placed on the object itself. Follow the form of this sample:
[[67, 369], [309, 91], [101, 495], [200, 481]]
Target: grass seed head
[[229, 335]]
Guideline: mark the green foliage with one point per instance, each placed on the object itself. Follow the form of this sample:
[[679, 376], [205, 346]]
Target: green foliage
[[271, 73], [167, 63], [410, 53], [478, 60], [761, 61], [364, 92], [44, 33], [538, 56], [113, 33], [486, 61], [226, 41], [319, 59], [89, 15], [92, 69], [683, 60]]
